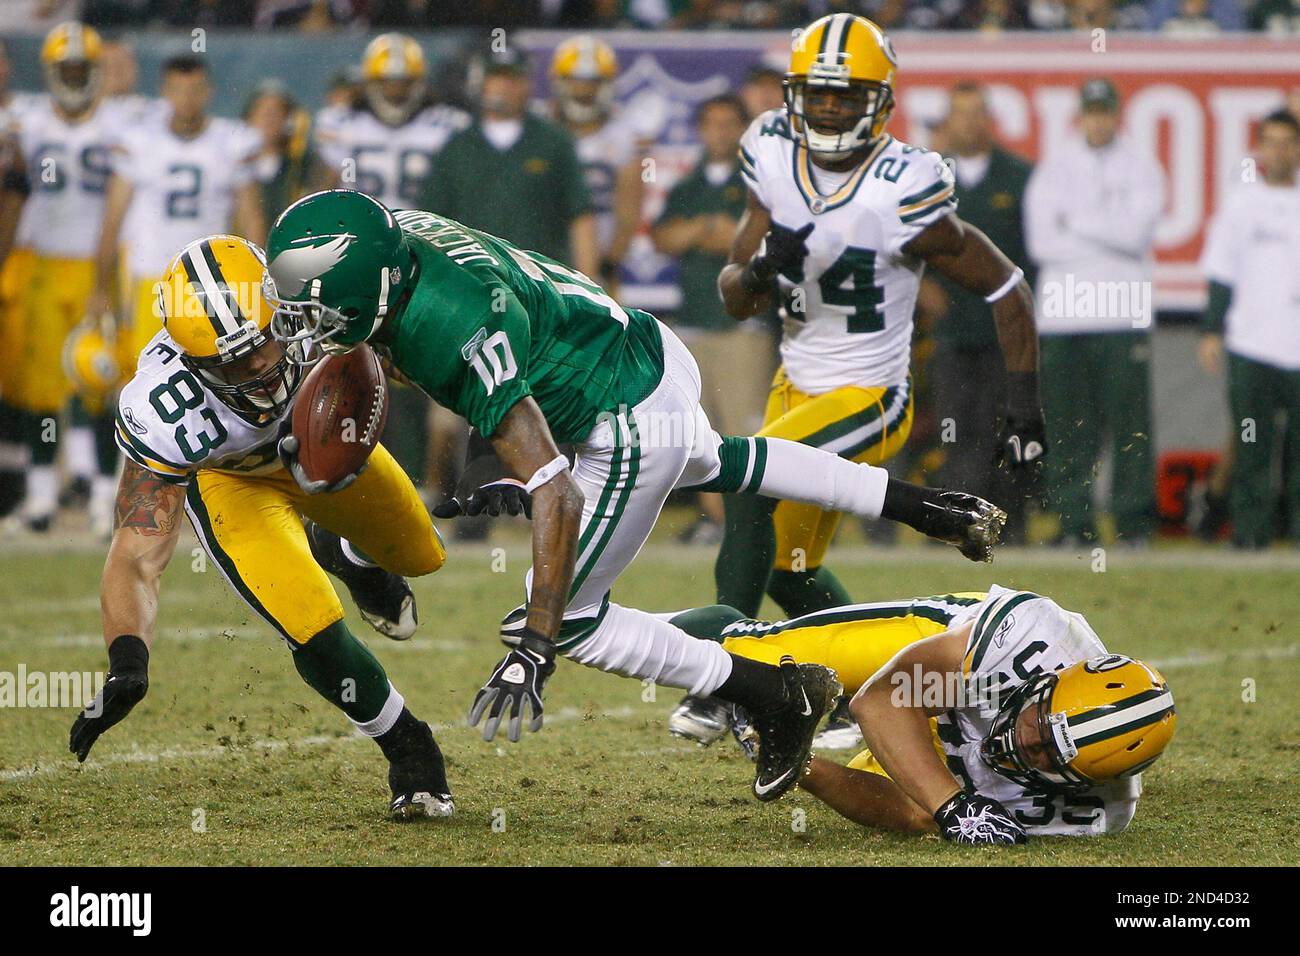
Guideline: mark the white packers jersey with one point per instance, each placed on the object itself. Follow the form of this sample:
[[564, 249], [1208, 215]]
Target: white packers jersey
[[184, 189], [390, 163], [170, 425], [858, 288], [602, 154], [1016, 636], [67, 166]]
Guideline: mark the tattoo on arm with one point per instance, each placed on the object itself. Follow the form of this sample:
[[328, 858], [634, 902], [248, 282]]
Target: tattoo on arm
[[146, 503]]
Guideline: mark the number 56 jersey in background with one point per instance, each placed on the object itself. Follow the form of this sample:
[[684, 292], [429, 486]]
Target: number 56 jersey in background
[[169, 424], [848, 315]]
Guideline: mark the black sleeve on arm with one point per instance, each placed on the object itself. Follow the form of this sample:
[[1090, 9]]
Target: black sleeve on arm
[[1216, 310]]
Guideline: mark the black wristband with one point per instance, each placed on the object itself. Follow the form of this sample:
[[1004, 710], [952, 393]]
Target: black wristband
[[128, 655], [758, 275], [534, 641], [1022, 395], [904, 502]]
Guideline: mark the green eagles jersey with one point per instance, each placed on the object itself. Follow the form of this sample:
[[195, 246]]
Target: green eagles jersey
[[488, 324]]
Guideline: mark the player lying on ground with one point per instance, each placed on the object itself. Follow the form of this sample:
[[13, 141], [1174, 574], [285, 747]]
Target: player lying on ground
[[531, 352], [199, 424], [986, 715], [841, 224]]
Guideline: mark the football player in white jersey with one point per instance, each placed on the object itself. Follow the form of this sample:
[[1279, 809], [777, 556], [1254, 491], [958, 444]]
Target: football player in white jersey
[[842, 219], [988, 716], [385, 144], [200, 422], [178, 175], [583, 71], [63, 147]]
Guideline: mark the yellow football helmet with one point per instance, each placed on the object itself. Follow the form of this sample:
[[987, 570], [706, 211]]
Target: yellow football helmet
[[839, 90], [71, 57], [90, 358], [583, 71], [393, 72], [1096, 720], [213, 303]]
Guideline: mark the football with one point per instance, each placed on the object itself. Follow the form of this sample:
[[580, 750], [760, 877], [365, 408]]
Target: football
[[339, 414]]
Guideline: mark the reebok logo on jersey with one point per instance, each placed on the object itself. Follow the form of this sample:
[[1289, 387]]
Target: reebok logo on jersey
[[1004, 629], [292, 269], [132, 422]]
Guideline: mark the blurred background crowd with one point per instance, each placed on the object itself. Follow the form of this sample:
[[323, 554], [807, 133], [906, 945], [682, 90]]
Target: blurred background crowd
[[612, 161], [1183, 17]]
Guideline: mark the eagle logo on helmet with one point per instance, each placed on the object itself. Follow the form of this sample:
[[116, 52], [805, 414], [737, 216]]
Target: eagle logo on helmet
[[293, 268]]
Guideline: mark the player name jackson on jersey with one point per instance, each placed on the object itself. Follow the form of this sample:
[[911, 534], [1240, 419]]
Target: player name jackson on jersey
[[516, 323], [857, 287], [170, 425], [1016, 636]]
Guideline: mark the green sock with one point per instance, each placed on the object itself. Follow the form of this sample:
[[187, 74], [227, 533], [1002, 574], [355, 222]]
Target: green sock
[[343, 671], [802, 592], [747, 552]]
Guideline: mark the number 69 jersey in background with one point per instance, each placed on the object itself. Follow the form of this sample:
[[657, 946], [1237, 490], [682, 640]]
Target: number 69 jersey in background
[[848, 319], [168, 424]]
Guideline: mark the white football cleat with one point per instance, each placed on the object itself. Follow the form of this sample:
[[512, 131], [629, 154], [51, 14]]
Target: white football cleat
[[702, 719]]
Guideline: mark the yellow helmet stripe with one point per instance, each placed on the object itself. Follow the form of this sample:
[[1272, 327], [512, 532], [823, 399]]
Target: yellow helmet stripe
[[1133, 713], [210, 288]]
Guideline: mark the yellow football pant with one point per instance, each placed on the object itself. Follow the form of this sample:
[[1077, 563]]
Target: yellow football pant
[[53, 303], [860, 424], [142, 323], [856, 641], [252, 527], [14, 277]]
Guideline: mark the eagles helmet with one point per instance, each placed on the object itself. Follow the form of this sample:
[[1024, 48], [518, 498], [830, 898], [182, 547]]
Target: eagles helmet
[[71, 58], [1099, 719], [212, 302], [847, 64], [338, 263]]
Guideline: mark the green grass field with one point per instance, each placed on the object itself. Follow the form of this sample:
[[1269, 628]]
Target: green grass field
[[228, 728]]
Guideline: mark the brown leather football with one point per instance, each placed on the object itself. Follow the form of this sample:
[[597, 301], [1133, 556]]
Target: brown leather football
[[339, 414]]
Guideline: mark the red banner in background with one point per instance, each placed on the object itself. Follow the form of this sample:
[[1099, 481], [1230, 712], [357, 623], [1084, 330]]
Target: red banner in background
[[1194, 103]]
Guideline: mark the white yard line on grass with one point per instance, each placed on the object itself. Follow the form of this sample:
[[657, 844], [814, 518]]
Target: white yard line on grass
[[565, 715]]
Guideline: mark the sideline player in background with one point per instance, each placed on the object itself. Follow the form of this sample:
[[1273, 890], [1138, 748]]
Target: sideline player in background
[[609, 144], [63, 156], [988, 715], [841, 221], [179, 174], [199, 422], [384, 143]]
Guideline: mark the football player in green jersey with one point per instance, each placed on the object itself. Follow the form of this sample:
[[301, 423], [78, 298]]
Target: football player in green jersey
[[533, 353]]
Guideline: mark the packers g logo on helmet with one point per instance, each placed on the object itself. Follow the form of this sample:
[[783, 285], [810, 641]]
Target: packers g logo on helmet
[[1096, 720], [70, 58], [393, 70], [847, 64], [213, 303], [583, 71], [90, 358]]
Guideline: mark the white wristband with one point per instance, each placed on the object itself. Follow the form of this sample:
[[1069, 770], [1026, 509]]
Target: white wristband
[[544, 474], [1006, 287]]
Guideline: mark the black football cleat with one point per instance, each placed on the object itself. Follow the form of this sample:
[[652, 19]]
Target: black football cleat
[[417, 778], [384, 599], [785, 734], [967, 521]]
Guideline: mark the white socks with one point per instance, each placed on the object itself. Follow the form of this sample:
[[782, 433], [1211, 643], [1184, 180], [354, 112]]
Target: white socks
[[802, 473], [636, 644]]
